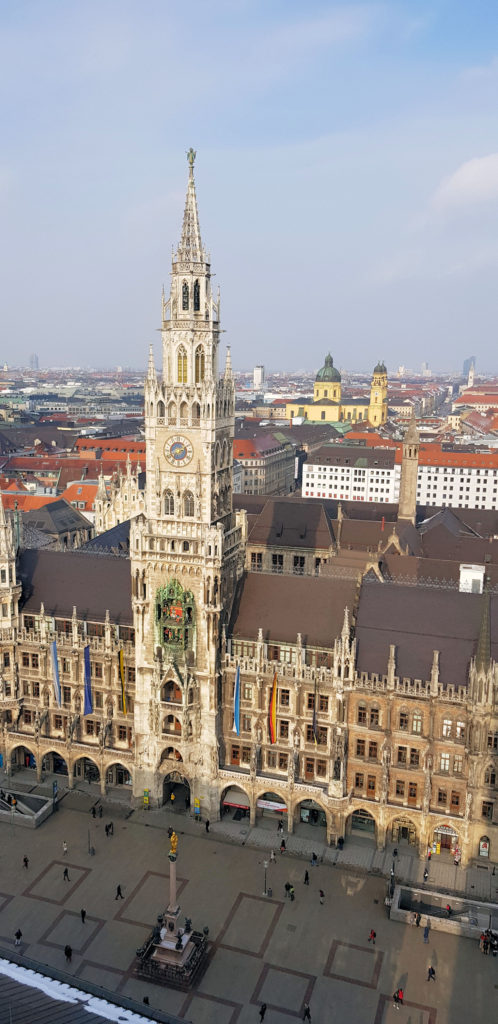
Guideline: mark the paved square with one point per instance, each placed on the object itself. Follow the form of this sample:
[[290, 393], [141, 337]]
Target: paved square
[[283, 990], [356, 964], [260, 949]]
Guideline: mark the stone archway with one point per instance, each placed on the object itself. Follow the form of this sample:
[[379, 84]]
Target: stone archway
[[310, 819], [54, 763], [403, 830], [176, 792], [361, 822], [20, 757], [85, 769], [271, 807], [116, 774], [235, 803]]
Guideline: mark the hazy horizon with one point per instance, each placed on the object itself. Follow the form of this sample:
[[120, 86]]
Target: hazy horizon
[[347, 178]]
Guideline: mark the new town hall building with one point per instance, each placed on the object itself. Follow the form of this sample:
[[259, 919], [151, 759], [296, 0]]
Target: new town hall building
[[385, 677]]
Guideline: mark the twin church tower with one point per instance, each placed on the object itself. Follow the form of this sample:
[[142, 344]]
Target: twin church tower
[[187, 550]]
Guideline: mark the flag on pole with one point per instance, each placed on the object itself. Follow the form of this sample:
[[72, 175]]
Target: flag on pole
[[272, 711], [88, 702], [236, 703], [122, 677], [315, 723], [55, 669]]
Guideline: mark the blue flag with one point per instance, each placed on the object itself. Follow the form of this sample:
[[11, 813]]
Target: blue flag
[[236, 703], [88, 703], [55, 669]]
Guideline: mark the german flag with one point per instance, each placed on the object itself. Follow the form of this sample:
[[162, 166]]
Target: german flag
[[122, 677], [272, 711]]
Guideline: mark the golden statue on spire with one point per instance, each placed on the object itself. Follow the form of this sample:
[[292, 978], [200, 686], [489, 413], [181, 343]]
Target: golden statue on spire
[[191, 155]]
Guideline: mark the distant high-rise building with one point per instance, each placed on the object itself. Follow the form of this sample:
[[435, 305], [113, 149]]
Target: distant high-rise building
[[33, 362], [258, 377], [467, 363]]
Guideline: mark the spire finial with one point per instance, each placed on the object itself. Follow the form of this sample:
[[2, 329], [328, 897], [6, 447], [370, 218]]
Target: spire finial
[[190, 249], [228, 363], [151, 369]]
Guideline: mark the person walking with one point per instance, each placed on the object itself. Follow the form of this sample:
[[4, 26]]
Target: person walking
[[119, 894], [93, 812], [372, 937], [426, 874], [64, 849], [431, 974], [272, 857], [83, 915], [292, 893], [396, 1000], [322, 897], [17, 937], [401, 995], [418, 920], [68, 953], [426, 932], [25, 862], [65, 876], [111, 828], [101, 810], [306, 877], [282, 846], [307, 1013], [106, 830], [262, 1011], [207, 824], [287, 888]]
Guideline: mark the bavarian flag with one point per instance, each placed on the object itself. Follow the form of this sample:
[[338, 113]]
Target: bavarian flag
[[272, 711]]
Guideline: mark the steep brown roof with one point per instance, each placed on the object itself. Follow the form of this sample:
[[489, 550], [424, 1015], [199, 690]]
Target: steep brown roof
[[61, 579], [283, 606], [419, 620], [291, 524]]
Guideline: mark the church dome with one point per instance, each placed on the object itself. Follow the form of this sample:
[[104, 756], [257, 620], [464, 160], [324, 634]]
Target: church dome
[[328, 372], [380, 368]]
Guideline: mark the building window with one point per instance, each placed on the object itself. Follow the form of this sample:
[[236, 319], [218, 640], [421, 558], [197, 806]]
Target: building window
[[97, 669], [34, 661], [371, 784], [89, 727], [6, 659], [27, 716], [122, 733], [321, 768], [256, 561], [188, 504], [401, 755], [197, 302], [271, 759], [400, 787], [374, 717], [414, 758], [417, 722], [66, 667], [458, 764], [245, 755], [323, 703], [57, 721], [412, 790], [441, 797], [169, 503], [444, 762], [403, 720], [130, 673], [284, 730], [35, 689], [235, 756], [372, 751], [447, 725], [199, 364], [246, 692], [277, 563], [358, 780], [487, 809], [98, 699], [311, 701], [360, 748], [283, 761], [185, 296], [25, 661], [460, 730], [182, 366], [455, 801], [490, 776], [298, 565], [246, 723], [66, 695], [284, 698], [362, 715]]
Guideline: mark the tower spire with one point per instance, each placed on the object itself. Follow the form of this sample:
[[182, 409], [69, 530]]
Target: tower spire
[[190, 249], [151, 368]]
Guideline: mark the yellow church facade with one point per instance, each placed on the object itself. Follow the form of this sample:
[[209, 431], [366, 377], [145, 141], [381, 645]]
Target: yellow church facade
[[328, 406]]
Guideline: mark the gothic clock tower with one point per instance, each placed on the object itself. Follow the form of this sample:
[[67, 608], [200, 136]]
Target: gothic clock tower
[[187, 549]]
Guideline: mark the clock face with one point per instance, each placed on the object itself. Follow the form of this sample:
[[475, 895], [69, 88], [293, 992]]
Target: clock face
[[178, 450]]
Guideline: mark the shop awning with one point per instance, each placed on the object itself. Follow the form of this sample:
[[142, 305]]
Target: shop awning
[[236, 798], [271, 805]]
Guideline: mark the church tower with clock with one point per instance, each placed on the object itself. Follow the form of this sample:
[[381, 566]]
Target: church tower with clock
[[187, 548]]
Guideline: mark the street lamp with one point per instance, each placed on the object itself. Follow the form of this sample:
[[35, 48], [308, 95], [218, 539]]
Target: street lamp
[[265, 865]]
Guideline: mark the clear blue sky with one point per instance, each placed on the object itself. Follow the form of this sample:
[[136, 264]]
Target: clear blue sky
[[347, 176]]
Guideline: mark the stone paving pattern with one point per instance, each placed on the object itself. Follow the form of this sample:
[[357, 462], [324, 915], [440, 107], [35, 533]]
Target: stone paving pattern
[[261, 949]]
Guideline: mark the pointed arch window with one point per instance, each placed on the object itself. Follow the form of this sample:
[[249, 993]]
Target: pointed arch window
[[182, 366], [197, 297], [188, 504], [185, 295], [169, 503], [200, 363]]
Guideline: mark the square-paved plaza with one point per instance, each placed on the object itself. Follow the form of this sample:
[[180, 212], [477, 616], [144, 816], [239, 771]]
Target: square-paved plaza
[[262, 949]]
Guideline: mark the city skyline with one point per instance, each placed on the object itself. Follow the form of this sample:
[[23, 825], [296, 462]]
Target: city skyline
[[349, 163]]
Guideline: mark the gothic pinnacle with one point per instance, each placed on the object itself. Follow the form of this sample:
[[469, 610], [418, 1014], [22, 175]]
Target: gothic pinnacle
[[151, 368], [190, 249]]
